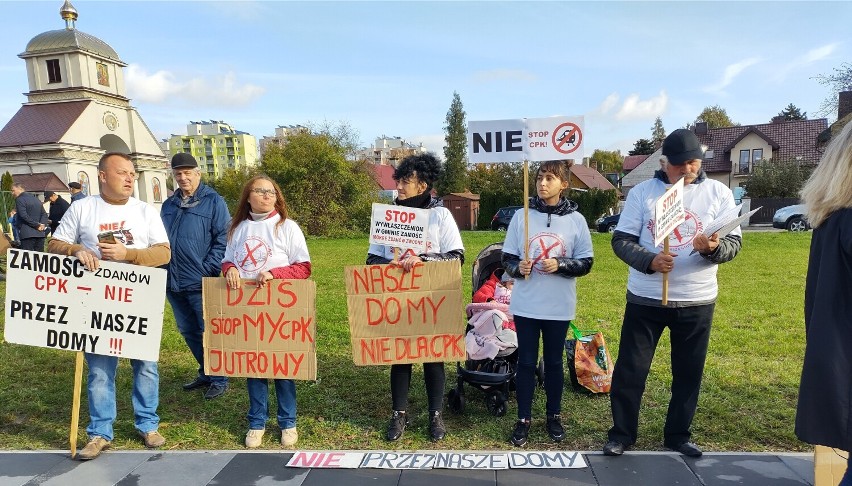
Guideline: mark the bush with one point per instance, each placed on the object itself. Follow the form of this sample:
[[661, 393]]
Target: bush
[[593, 203], [782, 179]]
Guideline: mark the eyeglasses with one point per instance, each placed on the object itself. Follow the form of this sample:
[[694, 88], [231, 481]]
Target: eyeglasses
[[265, 192]]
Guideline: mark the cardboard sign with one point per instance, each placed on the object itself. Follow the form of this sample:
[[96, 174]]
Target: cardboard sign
[[531, 139], [485, 461], [55, 302], [399, 226], [260, 332], [669, 212], [405, 317]]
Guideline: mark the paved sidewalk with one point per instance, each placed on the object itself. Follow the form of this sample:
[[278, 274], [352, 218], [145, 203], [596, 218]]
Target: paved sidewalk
[[260, 468]]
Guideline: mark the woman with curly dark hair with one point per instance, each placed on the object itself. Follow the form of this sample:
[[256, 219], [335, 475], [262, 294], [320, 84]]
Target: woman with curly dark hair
[[414, 179]]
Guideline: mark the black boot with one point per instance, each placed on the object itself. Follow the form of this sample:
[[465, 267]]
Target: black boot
[[521, 432], [397, 424], [554, 428], [437, 431]]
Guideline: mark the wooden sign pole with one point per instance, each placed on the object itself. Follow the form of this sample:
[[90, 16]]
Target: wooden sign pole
[[75, 407], [526, 213], [666, 275]]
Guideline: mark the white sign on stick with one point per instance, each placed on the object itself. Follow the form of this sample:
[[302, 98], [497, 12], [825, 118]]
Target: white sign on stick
[[399, 226], [669, 212], [532, 139], [56, 303]]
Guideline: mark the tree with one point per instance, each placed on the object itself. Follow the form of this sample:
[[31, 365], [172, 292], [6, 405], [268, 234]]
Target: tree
[[643, 146], [608, 161], [792, 113], [777, 178], [455, 150], [840, 80], [326, 193], [658, 133], [715, 117], [6, 182], [498, 185]]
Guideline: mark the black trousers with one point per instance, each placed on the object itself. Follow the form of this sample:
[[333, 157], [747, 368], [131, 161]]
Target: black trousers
[[689, 329], [434, 378], [34, 244]]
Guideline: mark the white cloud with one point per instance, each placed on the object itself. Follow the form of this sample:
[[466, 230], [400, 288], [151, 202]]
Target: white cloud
[[731, 72], [812, 56], [163, 87], [635, 108], [503, 75], [632, 108]]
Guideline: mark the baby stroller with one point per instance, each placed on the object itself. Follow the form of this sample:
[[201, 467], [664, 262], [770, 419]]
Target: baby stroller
[[494, 376]]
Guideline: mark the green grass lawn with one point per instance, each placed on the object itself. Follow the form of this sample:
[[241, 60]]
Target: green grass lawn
[[747, 402]]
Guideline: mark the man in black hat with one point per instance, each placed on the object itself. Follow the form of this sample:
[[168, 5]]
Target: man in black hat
[[58, 206], [196, 219], [691, 295], [76, 191]]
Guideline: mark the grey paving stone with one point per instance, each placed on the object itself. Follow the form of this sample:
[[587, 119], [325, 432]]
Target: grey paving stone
[[759, 470], [447, 477], [641, 469], [17, 468], [259, 469], [107, 469], [546, 477], [184, 468], [352, 477], [802, 465]]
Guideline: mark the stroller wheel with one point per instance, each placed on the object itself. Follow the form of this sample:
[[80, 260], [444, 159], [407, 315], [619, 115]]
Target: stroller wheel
[[455, 400], [496, 403]]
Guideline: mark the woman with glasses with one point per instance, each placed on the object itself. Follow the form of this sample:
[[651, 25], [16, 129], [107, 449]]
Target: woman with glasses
[[414, 179], [264, 245]]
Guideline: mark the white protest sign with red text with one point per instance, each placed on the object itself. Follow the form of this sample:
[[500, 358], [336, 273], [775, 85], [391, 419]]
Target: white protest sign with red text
[[531, 139], [399, 227], [405, 317], [260, 332], [669, 212], [55, 302]]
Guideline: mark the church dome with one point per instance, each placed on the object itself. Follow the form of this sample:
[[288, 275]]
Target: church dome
[[64, 39]]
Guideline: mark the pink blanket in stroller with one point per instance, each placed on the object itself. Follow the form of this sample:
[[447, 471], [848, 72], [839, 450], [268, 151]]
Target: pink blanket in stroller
[[491, 334]]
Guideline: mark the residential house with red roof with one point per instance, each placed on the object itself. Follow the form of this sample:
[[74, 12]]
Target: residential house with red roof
[[733, 152]]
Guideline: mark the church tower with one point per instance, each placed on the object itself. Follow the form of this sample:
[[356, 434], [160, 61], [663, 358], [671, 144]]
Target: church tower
[[76, 111]]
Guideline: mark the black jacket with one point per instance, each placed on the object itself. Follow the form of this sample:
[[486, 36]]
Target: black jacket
[[57, 210]]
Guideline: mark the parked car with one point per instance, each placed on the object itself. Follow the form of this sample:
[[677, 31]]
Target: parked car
[[607, 224], [791, 218], [500, 221]]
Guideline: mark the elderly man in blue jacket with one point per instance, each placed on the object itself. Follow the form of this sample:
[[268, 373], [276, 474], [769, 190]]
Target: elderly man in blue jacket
[[196, 219]]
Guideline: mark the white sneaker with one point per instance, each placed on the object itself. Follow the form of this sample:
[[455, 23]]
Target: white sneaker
[[289, 437], [254, 437]]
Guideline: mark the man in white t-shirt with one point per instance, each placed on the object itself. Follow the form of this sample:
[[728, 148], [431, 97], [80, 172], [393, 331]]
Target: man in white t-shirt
[[114, 226], [691, 298]]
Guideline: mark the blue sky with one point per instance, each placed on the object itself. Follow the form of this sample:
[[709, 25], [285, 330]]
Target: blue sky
[[390, 68]]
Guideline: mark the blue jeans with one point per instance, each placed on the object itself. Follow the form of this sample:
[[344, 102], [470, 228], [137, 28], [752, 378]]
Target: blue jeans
[[552, 334], [189, 316], [258, 392], [101, 390], [847, 477]]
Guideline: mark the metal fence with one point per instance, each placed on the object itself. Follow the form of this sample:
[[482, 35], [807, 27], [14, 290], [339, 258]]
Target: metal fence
[[769, 206]]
